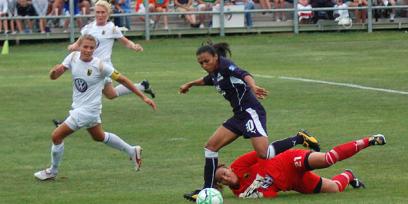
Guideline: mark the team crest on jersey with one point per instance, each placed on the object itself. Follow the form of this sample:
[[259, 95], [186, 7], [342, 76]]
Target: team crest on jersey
[[80, 85], [267, 181], [89, 72], [103, 32], [219, 77], [250, 127]]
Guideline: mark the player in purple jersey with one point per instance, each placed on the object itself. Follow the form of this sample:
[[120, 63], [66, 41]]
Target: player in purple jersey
[[249, 119]]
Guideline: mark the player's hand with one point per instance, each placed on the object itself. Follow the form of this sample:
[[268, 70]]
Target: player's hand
[[72, 48], [137, 48], [150, 102], [260, 92], [184, 88]]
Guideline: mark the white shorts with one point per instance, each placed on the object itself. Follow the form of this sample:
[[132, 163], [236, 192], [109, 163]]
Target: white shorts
[[79, 118]]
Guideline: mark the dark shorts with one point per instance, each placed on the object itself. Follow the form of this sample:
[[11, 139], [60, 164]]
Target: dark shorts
[[26, 11], [249, 123]]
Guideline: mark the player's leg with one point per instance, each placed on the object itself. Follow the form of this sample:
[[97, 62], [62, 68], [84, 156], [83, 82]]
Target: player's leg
[[219, 139], [57, 150], [112, 92], [339, 182], [114, 141], [318, 160]]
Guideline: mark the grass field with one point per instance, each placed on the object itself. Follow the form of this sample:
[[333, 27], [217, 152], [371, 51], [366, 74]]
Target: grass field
[[173, 136]]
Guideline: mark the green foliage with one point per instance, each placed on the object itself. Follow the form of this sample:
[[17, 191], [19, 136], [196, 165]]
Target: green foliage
[[173, 136]]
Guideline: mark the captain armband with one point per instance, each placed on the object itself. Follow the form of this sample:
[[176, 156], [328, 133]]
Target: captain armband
[[115, 75]]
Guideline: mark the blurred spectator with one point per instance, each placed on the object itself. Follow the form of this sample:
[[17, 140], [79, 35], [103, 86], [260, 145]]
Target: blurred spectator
[[122, 7], [360, 15], [279, 4], [341, 16], [304, 16], [265, 4], [41, 7], [25, 8], [3, 13], [12, 11], [322, 14], [186, 6], [379, 13], [248, 5], [206, 5], [67, 12], [140, 9], [161, 6]]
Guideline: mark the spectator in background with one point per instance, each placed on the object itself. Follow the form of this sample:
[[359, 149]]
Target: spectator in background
[[24, 8], [67, 13], [186, 6], [206, 5], [122, 7], [3, 13], [279, 4], [140, 9], [360, 15], [341, 16], [265, 4], [12, 11], [161, 6], [248, 5], [41, 7], [304, 16], [322, 14]]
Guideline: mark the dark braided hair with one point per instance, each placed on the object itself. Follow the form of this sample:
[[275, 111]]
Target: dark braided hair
[[221, 49]]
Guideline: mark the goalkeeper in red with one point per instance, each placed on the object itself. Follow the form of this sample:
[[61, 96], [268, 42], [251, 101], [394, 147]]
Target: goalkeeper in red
[[252, 177]]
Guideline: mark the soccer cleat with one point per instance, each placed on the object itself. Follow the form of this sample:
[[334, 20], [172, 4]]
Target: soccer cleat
[[137, 157], [57, 122], [309, 141], [45, 174], [355, 182], [192, 196], [377, 139], [147, 88]]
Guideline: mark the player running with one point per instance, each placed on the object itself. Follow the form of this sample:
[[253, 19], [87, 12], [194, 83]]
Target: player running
[[251, 177], [88, 76]]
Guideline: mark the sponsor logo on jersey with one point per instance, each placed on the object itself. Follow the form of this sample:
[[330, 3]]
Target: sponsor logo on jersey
[[80, 85], [89, 72], [232, 67], [219, 77]]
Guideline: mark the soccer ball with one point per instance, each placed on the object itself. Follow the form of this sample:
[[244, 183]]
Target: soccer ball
[[209, 196]]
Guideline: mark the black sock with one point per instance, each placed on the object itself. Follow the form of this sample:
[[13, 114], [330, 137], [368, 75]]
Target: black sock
[[209, 171], [285, 144]]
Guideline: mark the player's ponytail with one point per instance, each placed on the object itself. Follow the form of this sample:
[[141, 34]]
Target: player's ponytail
[[221, 49]]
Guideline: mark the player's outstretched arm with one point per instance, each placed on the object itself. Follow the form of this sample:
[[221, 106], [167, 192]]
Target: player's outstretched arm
[[57, 71], [74, 46], [131, 45], [185, 87], [129, 84], [259, 92]]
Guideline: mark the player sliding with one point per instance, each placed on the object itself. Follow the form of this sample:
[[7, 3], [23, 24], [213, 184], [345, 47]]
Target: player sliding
[[251, 177], [88, 76], [249, 119]]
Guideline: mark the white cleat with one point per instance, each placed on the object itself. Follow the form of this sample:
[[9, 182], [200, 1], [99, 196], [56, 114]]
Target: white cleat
[[137, 157], [45, 174]]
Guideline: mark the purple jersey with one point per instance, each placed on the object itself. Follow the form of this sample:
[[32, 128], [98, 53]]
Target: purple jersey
[[229, 81]]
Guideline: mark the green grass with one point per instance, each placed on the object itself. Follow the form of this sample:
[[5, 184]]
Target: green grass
[[173, 136]]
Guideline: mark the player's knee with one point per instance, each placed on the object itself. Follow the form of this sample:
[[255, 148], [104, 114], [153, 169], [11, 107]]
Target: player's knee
[[262, 154], [98, 139], [330, 158], [56, 139], [110, 96]]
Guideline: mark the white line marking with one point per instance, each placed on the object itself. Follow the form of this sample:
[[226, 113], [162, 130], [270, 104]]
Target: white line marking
[[335, 84]]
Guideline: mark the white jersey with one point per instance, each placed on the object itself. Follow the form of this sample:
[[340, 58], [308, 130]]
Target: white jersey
[[87, 81], [106, 36]]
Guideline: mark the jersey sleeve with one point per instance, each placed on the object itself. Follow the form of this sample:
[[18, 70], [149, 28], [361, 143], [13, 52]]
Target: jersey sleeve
[[116, 33], [237, 72], [208, 81], [85, 29], [107, 69], [68, 60]]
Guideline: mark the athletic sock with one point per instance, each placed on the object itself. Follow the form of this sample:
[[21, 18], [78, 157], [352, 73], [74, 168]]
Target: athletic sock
[[56, 155], [211, 163], [279, 146], [345, 151], [342, 180], [116, 142], [122, 90]]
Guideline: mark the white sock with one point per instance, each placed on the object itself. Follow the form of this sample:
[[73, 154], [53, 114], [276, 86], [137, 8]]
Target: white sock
[[122, 90], [271, 152], [56, 155], [116, 142]]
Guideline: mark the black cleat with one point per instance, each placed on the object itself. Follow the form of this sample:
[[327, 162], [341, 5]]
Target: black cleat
[[309, 141], [355, 183], [57, 122], [147, 88], [377, 139], [192, 196]]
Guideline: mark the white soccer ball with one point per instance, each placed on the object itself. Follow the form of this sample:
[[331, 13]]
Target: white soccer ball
[[209, 196]]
